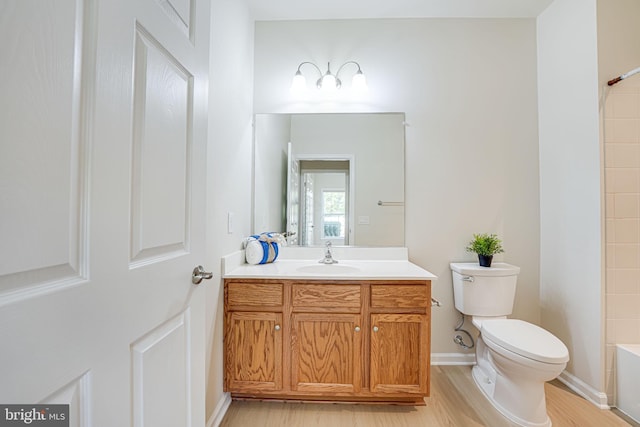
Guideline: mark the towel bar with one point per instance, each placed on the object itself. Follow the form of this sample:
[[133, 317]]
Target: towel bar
[[381, 203]]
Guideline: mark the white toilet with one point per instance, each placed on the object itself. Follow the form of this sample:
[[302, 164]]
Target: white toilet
[[513, 358]]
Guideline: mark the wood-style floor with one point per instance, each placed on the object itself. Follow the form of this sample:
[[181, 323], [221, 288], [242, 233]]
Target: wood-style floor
[[455, 402]]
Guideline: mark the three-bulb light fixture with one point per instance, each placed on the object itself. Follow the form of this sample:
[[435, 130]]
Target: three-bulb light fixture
[[329, 82]]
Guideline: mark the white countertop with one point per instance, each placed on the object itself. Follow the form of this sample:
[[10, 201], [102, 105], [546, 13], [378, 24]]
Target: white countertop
[[311, 269]]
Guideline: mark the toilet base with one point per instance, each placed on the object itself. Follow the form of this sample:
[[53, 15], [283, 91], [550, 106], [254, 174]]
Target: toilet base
[[486, 382]]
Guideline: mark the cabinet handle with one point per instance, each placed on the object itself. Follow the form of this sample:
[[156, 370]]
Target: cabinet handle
[[375, 329], [277, 328], [357, 328]]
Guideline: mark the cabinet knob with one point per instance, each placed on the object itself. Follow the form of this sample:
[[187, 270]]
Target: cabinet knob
[[357, 328], [277, 328], [376, 329]]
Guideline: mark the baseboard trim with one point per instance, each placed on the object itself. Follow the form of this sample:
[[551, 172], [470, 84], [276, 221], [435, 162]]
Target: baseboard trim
[[585, 390], [453, 359], [221, 408]]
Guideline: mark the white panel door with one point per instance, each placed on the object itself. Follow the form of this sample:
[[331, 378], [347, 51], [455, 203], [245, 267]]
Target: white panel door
[[293, 197], [103, 107]]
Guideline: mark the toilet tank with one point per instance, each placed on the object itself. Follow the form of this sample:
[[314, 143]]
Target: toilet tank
[[484, 291]]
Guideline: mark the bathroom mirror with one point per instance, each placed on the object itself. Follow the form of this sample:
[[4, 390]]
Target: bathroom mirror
[[330, 177]]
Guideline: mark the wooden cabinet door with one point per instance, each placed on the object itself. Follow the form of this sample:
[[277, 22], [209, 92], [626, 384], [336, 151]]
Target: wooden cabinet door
[[326, 353], [254, 352], [399, 353]]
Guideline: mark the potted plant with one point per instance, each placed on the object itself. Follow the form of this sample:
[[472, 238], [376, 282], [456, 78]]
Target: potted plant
[[485, 245]]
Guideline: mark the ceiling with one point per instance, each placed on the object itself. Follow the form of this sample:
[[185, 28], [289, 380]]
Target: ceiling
[[269, 10]]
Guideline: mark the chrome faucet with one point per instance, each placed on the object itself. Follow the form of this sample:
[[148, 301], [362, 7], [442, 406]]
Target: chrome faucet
[[328, 257]]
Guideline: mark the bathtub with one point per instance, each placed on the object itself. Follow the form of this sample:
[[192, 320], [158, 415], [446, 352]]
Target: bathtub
[[628, 379]]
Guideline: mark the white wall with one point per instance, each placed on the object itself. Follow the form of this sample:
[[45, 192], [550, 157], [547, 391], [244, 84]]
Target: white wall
[[570, 187], [468, 88], [229, 163]]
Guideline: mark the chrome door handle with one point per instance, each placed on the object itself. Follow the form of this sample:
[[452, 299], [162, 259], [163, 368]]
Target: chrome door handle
[[199, 274]]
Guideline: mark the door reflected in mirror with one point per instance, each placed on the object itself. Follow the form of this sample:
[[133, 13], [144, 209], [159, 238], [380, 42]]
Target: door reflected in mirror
[[324, 203], [330, 177]]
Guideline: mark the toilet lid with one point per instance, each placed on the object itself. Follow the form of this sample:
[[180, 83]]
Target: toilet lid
[[473, 269], [525, 339]]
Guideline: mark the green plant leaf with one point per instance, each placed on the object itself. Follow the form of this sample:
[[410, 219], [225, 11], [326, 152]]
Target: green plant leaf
[[485, 244]]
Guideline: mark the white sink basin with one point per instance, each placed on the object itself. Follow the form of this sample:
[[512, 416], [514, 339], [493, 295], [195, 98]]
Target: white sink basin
[[328, 269]]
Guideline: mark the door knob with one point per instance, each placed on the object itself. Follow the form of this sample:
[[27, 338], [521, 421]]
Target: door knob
[[199, 274]]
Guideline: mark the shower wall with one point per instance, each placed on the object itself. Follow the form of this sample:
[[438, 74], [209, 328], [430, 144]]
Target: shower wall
[[619, 52], [622, 213]]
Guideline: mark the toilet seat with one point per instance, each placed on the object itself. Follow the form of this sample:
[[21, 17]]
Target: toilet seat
[[525, 339]]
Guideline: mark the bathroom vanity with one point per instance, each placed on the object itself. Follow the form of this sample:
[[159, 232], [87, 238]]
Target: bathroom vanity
[[358, 331]]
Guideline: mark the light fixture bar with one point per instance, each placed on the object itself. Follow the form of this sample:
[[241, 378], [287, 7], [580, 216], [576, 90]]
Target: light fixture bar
[[328, 82]]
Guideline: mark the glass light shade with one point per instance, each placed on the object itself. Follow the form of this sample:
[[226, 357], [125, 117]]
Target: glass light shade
[[299, 83], [329, 83], [359, 82]]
